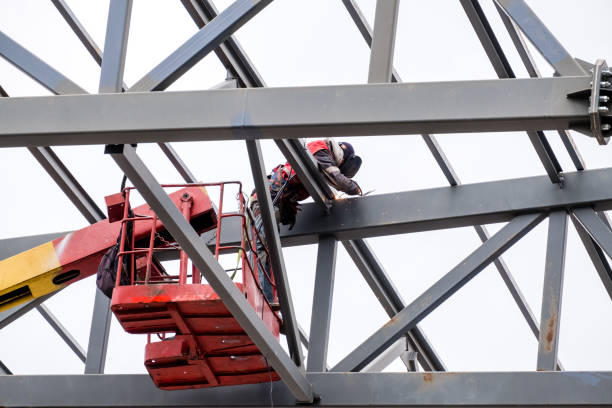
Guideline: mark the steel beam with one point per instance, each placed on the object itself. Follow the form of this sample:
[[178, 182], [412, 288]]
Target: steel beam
[[552, 292], [275, 251], [597, 229], [230, 52], [238, 65], [359, 110], [544, 41], [450, 207], [364, 28], [111, 79], [452, 177], [442, 207], [533, 71], [390, 299], [383, 41], [35, 68], [125, 156], [4, 370], [504, 70], [439, 292], [115, 46], [503, 389], [598, 258], [388, 356], [199, 45], [62, 332], [322, 304], [79, 30], [68, 183], [9, 316]]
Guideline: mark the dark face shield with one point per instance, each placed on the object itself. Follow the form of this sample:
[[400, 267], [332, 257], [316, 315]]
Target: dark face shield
[[351, 166]]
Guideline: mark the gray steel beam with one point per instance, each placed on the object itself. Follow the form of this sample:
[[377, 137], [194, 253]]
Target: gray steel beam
[[4, 370], [111, 79], [275, 251], [364, 28], [177, 162], [238, 65], [533, 71], [450, 207], [62, 332], [79, 30], [439, 292], [67, 183], [58, 84], [115, 46], [383, 41], [598, 258], [504, 70], [229, 52], [322, 304], [499, 389], [199, 45], [359, 110], [387, 357], [35, 68], [195, 247], [453, 179], [597, 229], [544, 41], [442, 207], [10, 315], [390, 299], [552, 292]]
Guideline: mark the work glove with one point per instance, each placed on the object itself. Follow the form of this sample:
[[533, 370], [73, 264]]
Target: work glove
[[287, 213], [356, 190]]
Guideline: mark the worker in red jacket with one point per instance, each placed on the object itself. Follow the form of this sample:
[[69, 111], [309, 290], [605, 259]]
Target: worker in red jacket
[[338, 164]]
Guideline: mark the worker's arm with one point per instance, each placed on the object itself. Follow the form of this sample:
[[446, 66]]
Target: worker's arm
[[339, 181]]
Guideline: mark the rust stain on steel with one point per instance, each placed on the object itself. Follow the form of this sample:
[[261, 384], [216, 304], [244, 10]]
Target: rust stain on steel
[[428, 378], [550, 332]]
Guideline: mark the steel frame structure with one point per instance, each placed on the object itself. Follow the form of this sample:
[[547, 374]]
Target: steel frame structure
[[575, 98]]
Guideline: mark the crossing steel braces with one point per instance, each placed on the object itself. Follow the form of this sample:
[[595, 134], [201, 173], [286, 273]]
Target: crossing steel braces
[[577, 98]]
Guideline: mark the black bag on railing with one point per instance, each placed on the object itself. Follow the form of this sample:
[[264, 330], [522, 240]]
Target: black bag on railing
[[107, 270]]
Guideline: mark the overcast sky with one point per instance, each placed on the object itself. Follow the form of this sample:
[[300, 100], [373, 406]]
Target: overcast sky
[[314, 42]]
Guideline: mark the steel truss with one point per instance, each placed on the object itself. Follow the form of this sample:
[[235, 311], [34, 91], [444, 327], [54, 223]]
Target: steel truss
[[576, 98]]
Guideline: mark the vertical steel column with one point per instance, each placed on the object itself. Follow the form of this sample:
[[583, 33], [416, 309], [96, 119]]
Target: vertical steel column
[[184, 234], [553, 291], [322, 303], [383, 41], [275, 250], [111, 79]]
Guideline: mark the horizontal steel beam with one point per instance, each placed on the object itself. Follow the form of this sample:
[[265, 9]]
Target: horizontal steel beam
[[449, 207], [356, 110], [417, 211], [517, 389]]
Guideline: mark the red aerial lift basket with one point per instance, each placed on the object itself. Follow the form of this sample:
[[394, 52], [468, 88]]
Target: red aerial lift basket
[[193, 341]]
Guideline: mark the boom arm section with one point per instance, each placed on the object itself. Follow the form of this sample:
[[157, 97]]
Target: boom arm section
[[72, 257]]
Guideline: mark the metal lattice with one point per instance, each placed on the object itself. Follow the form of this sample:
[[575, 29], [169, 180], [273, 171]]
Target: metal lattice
[[576, 98]]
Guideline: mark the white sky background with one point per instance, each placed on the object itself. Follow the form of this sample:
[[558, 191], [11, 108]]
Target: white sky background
[[314, 42]]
